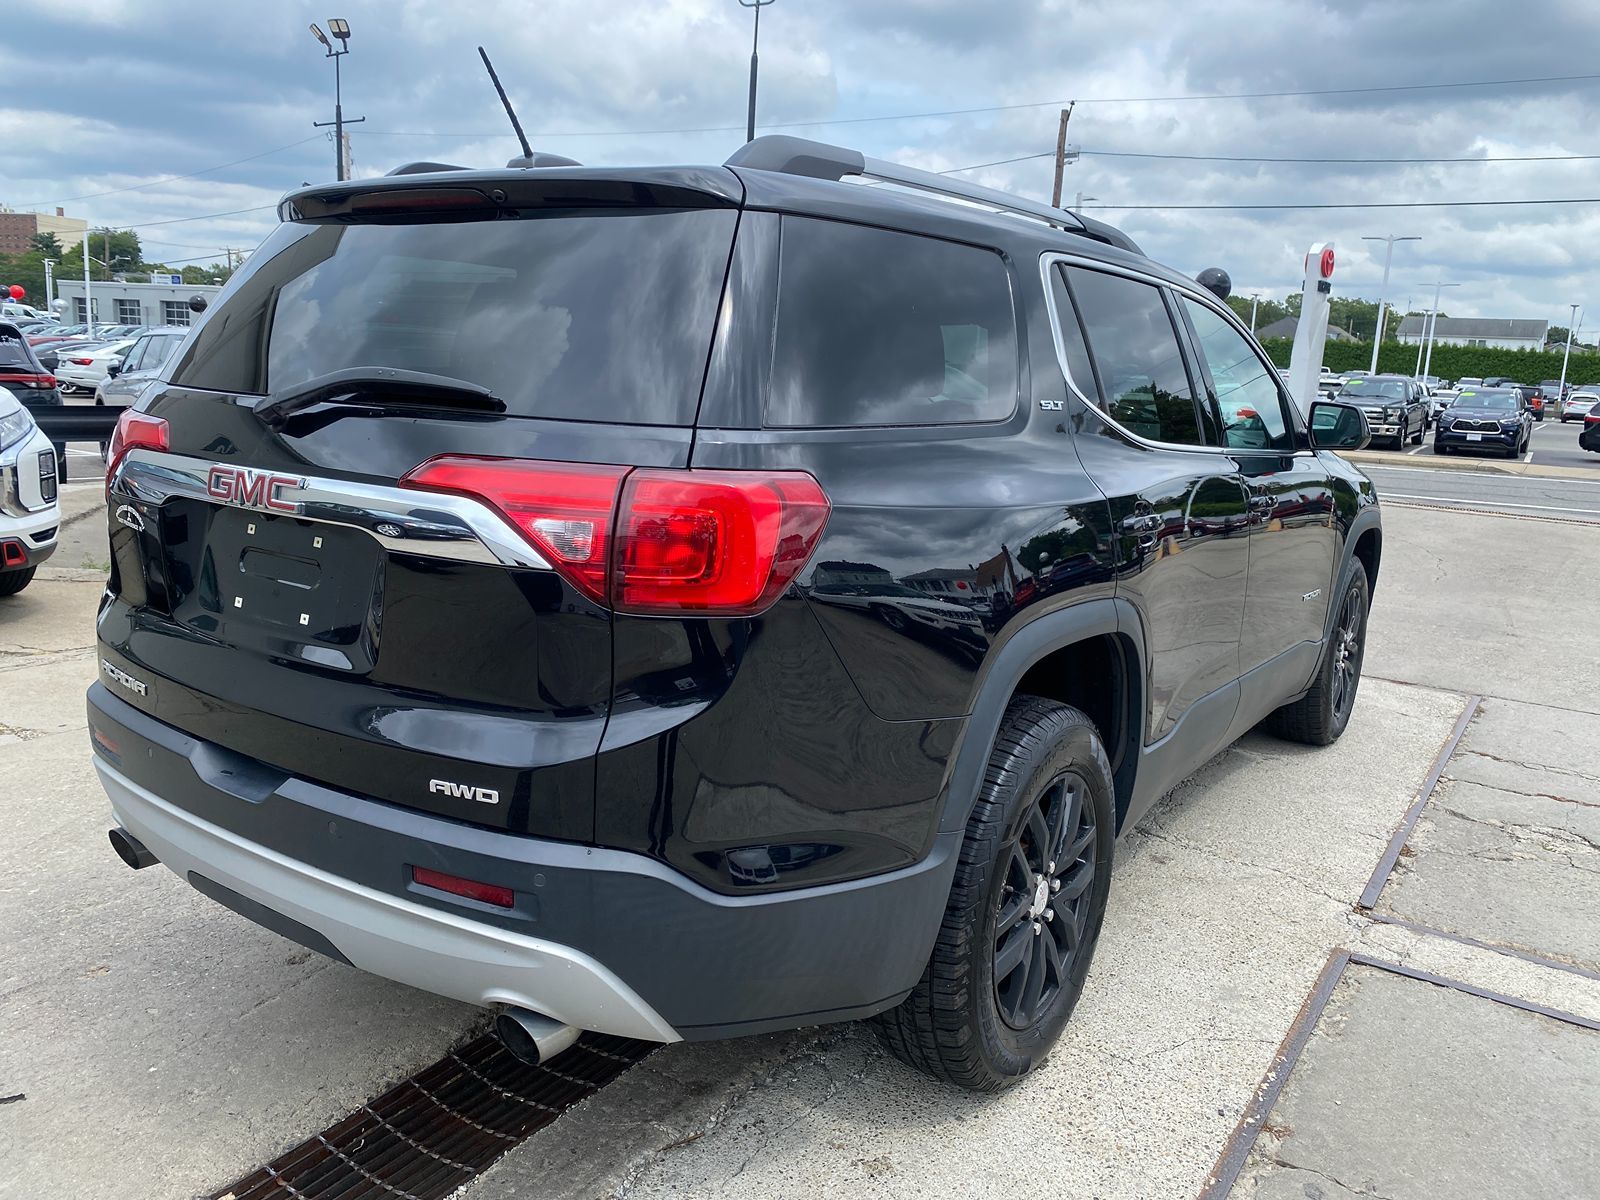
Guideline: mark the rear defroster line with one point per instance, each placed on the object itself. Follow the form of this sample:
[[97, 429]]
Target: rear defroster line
[[430, 1134]]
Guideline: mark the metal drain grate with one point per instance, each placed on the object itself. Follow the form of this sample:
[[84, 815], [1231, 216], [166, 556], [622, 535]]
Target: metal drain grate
[[428, 1135]]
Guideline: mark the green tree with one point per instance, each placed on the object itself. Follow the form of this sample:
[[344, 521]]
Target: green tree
[[1558, 333], [26, 270], [46, 244], [109, 250]]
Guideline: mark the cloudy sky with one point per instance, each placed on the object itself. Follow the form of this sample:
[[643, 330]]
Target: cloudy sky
[[104, 99]]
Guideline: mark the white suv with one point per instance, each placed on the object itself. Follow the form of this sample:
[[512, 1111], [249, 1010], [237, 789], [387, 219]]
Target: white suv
[[29, 512]]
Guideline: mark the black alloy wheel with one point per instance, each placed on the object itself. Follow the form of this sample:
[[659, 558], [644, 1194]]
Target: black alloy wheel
[[1043, 905], [1348, 649]]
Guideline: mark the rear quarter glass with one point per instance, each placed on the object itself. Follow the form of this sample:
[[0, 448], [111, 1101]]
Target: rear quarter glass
[[877, 327], [583, 316]]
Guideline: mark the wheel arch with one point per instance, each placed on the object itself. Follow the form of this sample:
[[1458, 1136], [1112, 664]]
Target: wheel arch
[[1069, 655]]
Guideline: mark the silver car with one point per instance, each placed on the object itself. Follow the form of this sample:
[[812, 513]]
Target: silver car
[[140, 366], [1577, 405]]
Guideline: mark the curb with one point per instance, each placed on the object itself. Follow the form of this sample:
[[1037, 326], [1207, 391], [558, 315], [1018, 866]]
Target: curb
[[1442, 462]]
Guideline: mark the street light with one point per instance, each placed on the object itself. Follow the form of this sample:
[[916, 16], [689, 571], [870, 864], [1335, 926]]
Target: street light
[[1255, 299], [1388, 253], [1433, 325], [1572, 324], [750, 115], [341, 30]]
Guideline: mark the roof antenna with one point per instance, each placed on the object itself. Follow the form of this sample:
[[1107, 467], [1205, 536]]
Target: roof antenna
[[529, 158], [527, 150]]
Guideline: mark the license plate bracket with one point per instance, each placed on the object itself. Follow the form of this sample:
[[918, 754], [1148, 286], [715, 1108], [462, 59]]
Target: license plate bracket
[[1474, 437]]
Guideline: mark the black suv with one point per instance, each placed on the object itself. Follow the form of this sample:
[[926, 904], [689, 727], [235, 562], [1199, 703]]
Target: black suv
[[688, 602], [1396, 405]]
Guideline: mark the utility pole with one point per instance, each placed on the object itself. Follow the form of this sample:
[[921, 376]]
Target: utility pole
[[88, 304], [755, 42], [1383, 291], [1255, 299], [1572, 324], [1061, 153], [1433, 325], [1078, 206]]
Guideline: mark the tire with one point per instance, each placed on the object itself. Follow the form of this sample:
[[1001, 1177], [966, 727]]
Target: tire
[[1421, 429], [1320, 716], [1440, 448], [957, 1024], [12, 582]]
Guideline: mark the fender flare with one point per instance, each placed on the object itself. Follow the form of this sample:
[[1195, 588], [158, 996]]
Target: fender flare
[[1040, 637], [1368, 518]]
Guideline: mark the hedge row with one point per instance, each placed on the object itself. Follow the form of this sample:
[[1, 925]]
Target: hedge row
[[1451, 362]]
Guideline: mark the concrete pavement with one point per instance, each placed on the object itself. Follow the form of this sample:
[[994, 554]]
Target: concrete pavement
[[166, 1046]]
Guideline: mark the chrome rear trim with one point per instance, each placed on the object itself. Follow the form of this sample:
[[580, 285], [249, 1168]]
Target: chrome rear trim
[[404, 520]]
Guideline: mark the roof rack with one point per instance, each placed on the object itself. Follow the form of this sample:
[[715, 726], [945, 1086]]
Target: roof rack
[[801, 156]]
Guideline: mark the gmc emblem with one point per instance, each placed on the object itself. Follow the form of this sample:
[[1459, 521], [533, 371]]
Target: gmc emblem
[[251, 489]]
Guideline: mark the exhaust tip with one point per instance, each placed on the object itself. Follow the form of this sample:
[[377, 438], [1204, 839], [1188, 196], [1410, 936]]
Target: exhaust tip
[[532, 1038], [130, 849]]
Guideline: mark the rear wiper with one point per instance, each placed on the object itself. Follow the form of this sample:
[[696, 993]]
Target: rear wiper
[[391, 383]]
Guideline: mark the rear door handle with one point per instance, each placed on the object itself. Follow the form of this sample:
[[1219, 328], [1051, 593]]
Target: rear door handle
[[1142, 523]]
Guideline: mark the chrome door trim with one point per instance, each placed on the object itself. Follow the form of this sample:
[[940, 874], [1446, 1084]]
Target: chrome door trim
[[1050, 258], [402, 520]]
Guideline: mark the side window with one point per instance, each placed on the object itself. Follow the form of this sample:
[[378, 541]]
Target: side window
[[1247, 392], [883, 328], [135, 355], [1143, 380], [161, 349], [1077, 351]]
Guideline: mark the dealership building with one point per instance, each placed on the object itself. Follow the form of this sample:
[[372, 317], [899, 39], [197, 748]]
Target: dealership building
[[161, 303]]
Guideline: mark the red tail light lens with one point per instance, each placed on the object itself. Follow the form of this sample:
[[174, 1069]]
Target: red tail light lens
[[134, 429], [650, 541], [564, 509], [723, 543]]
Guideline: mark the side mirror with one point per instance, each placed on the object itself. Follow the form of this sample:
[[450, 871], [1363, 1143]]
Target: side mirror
[[1336, 426], [113, 368]]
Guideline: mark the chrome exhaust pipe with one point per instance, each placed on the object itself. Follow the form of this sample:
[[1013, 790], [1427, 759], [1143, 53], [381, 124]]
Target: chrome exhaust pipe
[[130, 849], [532, 1038]]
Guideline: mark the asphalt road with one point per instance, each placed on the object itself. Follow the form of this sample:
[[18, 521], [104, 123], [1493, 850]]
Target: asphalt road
[[1554, 445], [1515, 495]]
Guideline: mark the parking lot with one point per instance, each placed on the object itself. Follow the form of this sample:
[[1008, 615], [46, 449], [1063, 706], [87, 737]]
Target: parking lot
[[1297, 953]]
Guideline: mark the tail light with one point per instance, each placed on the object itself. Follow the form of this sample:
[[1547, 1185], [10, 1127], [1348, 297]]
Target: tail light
[[650, 541], [82, 362], [40, 382], [133, 429]]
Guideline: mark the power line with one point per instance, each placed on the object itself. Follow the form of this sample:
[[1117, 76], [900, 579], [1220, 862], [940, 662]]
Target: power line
[[1264, 159], [204, 216], [170, 178], [1398, 204], [993, 108]]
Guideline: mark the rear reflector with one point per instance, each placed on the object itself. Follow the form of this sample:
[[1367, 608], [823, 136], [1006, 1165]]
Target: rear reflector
[[650, 541], [485, 893], [13, 553], [134, 429]]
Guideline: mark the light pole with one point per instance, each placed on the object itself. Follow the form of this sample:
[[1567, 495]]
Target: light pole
[[340, 29], [1572, 324], [755, 41], [1078, 207], [1433, 324], [1383, 291], [1255, 299]]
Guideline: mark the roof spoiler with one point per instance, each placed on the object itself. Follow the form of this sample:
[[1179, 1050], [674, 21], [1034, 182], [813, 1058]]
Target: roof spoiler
[[818, 160]]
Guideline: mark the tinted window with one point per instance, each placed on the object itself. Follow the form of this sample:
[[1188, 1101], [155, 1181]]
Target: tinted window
[[1142, 377], [1077, 350], [14, 353], [1247, 390], [881, 328], [601, 317]]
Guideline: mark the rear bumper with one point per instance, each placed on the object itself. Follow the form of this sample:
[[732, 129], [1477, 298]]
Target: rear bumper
[[598, 938]]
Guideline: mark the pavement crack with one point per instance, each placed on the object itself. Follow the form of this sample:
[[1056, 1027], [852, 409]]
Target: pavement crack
[[1333, 1179], [1542, 768], [1154, 830]]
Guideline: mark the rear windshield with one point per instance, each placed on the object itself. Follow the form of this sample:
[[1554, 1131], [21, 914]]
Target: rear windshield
[[599, 316], [14, 353]]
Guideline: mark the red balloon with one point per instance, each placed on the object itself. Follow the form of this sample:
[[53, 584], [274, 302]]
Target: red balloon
[[18, 291]]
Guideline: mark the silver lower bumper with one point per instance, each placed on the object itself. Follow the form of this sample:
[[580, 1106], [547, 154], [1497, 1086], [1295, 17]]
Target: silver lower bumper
[[436, 951]]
